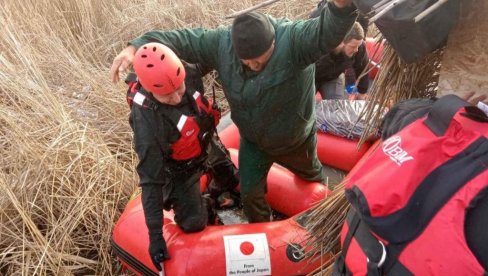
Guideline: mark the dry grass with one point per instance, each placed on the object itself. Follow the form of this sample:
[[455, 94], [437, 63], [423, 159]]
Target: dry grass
[[398, 81], [67, 164]]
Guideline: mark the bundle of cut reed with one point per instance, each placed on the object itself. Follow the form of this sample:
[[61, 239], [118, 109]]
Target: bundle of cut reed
[[398, 81]]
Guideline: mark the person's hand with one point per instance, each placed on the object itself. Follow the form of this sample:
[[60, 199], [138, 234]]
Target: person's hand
[[122, 62], [158, 250], [342, 3], [475, 97]]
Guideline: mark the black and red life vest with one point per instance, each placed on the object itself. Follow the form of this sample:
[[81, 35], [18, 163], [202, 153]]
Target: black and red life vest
[[194, 131], [410, 196]]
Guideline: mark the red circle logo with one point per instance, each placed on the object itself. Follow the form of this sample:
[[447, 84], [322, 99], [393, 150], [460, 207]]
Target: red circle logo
[[247, 248]]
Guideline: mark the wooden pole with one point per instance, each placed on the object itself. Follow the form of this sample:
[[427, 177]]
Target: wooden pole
[[255, 7]]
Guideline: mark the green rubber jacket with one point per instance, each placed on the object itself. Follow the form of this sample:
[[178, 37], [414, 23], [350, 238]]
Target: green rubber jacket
[[273, 108]]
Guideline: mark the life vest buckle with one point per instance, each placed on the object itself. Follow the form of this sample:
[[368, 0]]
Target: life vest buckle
[[383, 256]]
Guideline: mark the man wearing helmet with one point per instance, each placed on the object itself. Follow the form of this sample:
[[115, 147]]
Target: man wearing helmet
[[266, 68], [176, 142]]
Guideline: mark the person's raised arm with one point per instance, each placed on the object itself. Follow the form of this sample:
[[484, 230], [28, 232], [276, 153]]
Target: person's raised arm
[[314, 37], [193, 45]]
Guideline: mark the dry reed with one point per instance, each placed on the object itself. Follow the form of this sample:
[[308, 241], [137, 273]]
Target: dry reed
[[324, 223], [397, 81], [67, 166]]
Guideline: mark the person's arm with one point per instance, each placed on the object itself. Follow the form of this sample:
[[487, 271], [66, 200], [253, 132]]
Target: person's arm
[[316, 12], [151, 180], [152, 203], [193, 45], [314, 37], [361, 61]]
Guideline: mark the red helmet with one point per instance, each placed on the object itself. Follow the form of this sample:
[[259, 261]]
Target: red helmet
[[158, 68]]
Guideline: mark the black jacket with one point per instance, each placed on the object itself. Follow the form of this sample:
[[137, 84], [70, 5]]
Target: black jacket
[[153, 133], [331, 65]]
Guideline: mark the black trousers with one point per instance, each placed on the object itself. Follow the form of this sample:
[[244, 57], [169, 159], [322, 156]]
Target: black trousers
[[183, 191]]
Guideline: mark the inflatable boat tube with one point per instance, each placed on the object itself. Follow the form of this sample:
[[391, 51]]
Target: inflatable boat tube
[[271, 248], [287, 193], [332, 150], [339, 152], [230, 137], [300, 194]]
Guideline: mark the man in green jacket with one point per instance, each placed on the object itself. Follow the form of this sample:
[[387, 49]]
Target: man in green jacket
[[266, 68]]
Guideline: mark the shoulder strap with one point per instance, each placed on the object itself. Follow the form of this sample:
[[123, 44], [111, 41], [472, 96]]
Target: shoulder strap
[[135, 94], [376, 252]]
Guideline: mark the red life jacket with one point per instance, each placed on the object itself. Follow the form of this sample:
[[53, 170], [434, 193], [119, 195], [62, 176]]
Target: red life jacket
[[194, 132], [409, 197]]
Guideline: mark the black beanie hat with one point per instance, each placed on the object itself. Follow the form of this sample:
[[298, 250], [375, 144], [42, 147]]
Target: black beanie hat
[[252, 35]]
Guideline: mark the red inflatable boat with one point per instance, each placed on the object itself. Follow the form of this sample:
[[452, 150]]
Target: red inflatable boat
[[239, 249], [272, 248], [264, 248]]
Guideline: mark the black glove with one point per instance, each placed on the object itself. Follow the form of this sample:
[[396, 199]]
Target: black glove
[[157, 249]]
